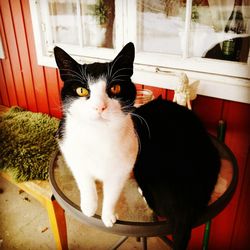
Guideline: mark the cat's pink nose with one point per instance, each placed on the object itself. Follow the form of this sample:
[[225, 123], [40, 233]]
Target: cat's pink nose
[[101, 107]]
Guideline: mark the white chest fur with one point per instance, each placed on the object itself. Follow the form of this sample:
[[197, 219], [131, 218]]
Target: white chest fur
[[100, 149]]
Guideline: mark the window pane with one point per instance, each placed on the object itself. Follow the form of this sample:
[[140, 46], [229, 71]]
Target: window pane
[[98, 23], [159, 26], [63, 15], [88, 23], [220, 29]]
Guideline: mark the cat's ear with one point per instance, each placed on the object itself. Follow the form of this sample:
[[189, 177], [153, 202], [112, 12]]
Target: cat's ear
[[127, 52], [66, 64], [125, 59]]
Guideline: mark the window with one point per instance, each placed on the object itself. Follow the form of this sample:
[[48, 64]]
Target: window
[[207, 39]]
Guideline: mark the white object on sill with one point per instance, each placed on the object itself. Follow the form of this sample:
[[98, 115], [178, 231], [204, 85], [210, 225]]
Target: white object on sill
[[185, 92]]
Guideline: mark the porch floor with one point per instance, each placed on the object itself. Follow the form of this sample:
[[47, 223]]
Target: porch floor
[[24, 225]]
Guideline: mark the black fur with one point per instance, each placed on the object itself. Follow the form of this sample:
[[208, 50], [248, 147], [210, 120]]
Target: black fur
[[177, 165]]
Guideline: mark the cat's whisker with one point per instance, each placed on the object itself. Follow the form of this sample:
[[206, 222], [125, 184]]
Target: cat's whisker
[[108, 69], [57, 107], [128, 103], [128, 108], [142, 120], [113, 64], [66, 104], [70, 70], [74, 73], [120, 80], [139, 142], [73, 77], [73, 80], [83, 71], [115, 78], [77, 74], [113, 75]]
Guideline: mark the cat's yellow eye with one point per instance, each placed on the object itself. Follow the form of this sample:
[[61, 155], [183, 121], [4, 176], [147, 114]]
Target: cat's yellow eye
[[116, 89], [82, 92]]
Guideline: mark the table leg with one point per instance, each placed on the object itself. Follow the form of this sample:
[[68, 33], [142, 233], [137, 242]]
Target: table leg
[[119, 243], [144, 243], [167, 241], [58, 223]]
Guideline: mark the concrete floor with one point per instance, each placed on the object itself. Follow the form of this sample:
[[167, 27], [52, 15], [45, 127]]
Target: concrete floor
[[24, 225]]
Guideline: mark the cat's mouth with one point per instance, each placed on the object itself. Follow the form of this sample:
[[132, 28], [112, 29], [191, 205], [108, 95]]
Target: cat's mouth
[[101, 117], [108, 117]]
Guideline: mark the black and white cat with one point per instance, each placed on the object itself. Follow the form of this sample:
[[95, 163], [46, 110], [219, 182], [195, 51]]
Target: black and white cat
[[98, 138], [103, 137]]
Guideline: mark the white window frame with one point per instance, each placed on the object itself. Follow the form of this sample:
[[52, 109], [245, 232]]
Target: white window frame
[[1, 49], [218, 78]]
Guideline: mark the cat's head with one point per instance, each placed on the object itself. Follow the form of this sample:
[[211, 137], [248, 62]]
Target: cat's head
[[98, 91]]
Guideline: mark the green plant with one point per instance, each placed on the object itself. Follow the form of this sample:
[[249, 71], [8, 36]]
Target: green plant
[[195, 13], [100, 10]]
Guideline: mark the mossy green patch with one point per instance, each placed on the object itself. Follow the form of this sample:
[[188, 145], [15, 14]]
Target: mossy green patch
[[27, 141]]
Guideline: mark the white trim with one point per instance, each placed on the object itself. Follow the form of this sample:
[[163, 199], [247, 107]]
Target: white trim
[[2, 56], [131, 21], [47, 22], [119, 26], [37, 29], [79, 23], [187, 28]]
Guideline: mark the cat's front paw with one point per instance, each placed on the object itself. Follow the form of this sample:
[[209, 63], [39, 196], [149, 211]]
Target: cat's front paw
[[88, 209], [109, 219]]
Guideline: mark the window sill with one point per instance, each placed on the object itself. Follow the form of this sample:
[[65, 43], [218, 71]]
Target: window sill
[[218, 86], [212, 85]]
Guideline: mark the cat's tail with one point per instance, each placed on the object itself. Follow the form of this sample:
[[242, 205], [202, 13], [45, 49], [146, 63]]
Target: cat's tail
[[182, 228]]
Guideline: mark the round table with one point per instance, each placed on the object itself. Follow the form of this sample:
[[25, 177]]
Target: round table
[[135, 218]]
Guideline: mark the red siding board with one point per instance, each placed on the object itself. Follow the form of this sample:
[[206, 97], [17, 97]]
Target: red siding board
[[222, 227], [53, 92], [209, 111], [170, 95], [196, 238], [7, 70], [60, 82], [23, 53], [237, 139], [3, 88], [241, 231], [59, 86], [36, 70], [13, 53], [238, 127], [237, 116]]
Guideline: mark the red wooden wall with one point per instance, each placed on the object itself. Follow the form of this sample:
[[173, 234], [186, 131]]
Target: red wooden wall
[[24, 83]]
